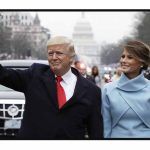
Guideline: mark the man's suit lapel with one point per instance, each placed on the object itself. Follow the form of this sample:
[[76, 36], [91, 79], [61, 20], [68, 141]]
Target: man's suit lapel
[[49, 82], [80, 90]]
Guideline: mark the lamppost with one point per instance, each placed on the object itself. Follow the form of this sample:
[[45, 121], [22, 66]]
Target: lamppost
[[1, 18]]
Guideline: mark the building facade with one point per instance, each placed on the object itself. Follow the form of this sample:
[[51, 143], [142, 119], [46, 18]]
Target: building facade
[[24, 23]]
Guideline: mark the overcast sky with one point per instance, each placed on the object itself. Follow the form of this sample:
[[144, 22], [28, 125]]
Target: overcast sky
[[107, 27]]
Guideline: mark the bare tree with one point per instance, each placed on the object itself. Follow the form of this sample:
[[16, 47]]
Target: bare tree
[[22, 45], [143, 28], [110, 53], [5, 35]]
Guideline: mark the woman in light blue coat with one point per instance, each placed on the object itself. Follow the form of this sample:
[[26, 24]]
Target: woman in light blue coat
[[126, 102]]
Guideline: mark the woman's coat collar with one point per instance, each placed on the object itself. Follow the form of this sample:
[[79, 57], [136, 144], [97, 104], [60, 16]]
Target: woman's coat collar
[[134, 84]]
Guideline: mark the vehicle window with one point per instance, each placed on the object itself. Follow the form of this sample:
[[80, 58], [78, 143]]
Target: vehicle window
[[4, 88]]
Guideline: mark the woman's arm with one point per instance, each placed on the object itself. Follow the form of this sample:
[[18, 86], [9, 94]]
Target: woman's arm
[[106, 113]]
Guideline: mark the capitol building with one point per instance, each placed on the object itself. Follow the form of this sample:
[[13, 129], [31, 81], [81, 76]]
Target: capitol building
[[87, 48]]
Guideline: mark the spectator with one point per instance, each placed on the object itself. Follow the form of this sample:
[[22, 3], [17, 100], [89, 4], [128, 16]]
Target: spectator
[[96, 76], [81, 67], [117, 74]]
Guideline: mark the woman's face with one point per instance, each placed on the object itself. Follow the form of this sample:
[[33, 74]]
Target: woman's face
[[95, 70], [130, 65]]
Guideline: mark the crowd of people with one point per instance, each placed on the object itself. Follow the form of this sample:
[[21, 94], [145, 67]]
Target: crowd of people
[[65, 102]]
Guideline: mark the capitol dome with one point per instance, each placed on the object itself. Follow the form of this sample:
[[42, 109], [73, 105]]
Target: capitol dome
[[83, 29], [86, 47]]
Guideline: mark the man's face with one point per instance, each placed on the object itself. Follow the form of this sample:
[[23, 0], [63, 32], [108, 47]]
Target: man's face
[[81, 68], [59, 58]]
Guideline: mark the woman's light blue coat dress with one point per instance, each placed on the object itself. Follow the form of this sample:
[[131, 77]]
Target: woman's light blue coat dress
[[126, 108]]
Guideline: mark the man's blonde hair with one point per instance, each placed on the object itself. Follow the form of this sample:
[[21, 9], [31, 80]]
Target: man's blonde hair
[[62, 40]]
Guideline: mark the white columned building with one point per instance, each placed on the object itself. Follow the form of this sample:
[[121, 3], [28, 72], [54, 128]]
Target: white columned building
[[86, 47], [24, 23]]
